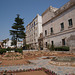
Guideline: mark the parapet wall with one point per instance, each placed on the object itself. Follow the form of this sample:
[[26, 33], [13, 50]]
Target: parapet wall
[[65, 7]]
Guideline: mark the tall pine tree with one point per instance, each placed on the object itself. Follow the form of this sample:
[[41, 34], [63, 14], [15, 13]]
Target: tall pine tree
[[18, 30]]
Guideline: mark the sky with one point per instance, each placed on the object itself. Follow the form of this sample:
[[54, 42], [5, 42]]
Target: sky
[[28, 9]]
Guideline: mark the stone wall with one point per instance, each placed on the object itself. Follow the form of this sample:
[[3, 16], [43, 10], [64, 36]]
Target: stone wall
[[58, 35], [71, 43]]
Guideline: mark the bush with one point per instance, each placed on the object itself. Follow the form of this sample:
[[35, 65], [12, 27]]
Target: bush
[[2, 51], [8, 49], [19, 50], [62, 48], [26, 46], [48, 46], [52, 48]]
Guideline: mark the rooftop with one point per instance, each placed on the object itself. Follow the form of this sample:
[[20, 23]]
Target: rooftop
[[65, 7]]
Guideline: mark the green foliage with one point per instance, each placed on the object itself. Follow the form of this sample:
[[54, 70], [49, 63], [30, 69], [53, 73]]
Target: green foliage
[[52, 48], [8, 49], [18, 30], [62, 48], [48, 46], [4, 42], [19, 50], [13, 42], [27, 46], [2, 51]]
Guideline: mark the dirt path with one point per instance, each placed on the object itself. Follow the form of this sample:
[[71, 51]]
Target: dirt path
[[29, 73]]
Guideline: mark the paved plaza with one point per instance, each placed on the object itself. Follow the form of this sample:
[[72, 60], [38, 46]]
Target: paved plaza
[[60, 70]]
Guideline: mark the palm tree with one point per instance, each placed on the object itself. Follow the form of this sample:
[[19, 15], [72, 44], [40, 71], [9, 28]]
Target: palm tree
[[5, 41]]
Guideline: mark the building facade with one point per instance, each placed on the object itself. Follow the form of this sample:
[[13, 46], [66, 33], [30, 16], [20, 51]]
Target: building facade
[[20, 44], [40, 41], [7, 44], [33, 30], [59, 25]]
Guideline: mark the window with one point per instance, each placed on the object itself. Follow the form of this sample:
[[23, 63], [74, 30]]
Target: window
[[62, 26], [45, 32], [51, 30], [34, 27], [52, 43], [63, 41], [70, 22], [46, 44], [34, 23]]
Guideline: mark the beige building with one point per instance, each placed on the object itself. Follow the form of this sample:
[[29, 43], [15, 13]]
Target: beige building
[[58, 24], [33, 30], [40, 41]]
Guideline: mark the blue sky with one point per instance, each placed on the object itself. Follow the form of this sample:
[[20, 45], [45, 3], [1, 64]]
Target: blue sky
[[27, 10]]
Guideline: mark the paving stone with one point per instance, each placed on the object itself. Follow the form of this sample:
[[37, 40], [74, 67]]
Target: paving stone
[[60, 70]]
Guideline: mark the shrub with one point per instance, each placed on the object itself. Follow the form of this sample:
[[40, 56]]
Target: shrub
[[19, 50], [52, 48], [26, 46], [62, 48], [2, 51], [48, 46], [8, 49]]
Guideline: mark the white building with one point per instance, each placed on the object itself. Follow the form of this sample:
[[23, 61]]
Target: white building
[[19, 44], [33, 30], [58, 25], [7, 44]]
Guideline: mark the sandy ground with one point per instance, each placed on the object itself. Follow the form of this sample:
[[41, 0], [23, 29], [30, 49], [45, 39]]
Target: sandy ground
[[32, 73], [13, 62], [32, 56], [29, 73], [17, 62]]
